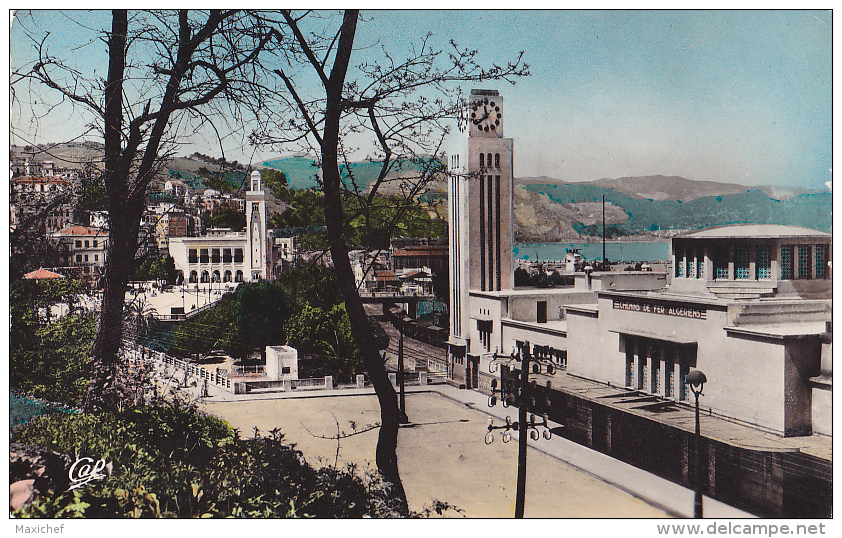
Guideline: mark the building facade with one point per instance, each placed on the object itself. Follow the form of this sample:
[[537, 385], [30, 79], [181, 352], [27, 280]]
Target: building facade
[[225, 256], [480, 193]]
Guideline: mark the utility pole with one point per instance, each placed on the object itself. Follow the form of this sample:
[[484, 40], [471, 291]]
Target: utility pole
[[403, 419], [603, 232], [525, 396]]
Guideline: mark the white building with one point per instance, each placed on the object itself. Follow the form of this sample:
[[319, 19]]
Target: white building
[[226, 256], [749, 305], [281, 362]]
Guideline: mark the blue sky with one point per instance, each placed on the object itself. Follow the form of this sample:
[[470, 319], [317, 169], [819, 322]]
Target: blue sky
[[731, 96]]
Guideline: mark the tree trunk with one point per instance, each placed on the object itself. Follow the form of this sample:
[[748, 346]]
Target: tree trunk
[[387, 441], [100, 394]]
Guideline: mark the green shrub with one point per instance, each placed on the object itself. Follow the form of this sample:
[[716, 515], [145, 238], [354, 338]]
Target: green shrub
[[177, 462]]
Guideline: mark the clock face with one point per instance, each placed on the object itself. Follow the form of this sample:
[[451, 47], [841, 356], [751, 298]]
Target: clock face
[[485, 116]]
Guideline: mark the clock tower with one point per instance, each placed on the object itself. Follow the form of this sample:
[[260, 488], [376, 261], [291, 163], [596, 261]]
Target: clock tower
[[255, 260], [480, 193]]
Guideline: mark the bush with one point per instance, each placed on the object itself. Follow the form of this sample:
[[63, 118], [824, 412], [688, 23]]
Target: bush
[[177, 462]]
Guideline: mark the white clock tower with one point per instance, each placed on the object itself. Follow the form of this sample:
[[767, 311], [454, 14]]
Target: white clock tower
[[480, 193], [255, 261]]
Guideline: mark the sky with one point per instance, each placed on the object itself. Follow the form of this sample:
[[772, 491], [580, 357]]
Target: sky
[[728, 96]]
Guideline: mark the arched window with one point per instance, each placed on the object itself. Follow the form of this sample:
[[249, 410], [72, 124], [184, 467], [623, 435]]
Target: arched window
[[215, 277], [238, 277], [488, 160], [205, 277], [194, 277], [227, 277], [496, 160], [481, 160]]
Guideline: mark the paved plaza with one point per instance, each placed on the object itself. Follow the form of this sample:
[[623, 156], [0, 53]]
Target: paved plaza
[[442, 456]]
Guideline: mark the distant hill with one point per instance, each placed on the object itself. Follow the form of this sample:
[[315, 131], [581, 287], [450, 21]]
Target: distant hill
[[554, 210], [672, 187]]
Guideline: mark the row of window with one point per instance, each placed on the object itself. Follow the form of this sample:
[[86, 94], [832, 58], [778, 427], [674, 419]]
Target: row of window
[[796, 262], [87, 243], [651, 366], [213, 255], [207, 277], [80, 258], [485, 160]]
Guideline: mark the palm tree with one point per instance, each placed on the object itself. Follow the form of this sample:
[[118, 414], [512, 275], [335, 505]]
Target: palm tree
[[137, 316]]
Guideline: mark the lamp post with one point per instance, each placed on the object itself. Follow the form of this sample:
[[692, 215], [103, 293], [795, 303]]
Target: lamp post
[[696, 379]]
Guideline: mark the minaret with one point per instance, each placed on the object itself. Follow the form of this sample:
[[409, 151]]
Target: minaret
[[480, 192], [255, 260]]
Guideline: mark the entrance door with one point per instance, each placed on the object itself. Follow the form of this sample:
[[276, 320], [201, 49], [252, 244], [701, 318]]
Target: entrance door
[[472, 373]]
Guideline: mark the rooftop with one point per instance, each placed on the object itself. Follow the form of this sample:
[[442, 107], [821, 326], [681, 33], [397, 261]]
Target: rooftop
[[81, 230], [755, 230]]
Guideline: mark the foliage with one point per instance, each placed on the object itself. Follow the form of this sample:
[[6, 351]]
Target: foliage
[[261, 310], [48, 359], [539, 278], [91, 194], [214, 328], [305, 208], [162, 268], [276, 181], [226, 217], [176, 462], [372, 224], [325, 333]]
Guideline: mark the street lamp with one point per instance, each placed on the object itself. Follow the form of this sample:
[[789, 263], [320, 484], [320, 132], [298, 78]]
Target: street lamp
[[696, 379]]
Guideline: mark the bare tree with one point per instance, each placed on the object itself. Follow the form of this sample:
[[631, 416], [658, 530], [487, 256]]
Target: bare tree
[[169, 73], [401, 107]]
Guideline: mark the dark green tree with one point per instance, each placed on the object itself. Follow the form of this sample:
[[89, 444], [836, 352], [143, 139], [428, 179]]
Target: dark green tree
[[226, 217], [261, 311]]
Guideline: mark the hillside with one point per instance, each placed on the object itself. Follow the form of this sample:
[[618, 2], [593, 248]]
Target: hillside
[[549, 211]]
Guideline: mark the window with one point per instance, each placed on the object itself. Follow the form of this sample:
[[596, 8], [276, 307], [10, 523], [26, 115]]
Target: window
[[96, 257], [215, 255], [481, 160], [805, 262], [286, 370], [700, 265], [484, 328], [821, 261], [741, 265], [670, 367], [86, 257], [764, 264], [194, 277], [238, 256], [96, 243], [226, 255], [193, 256], [787, 269], [203, 256], [87, 243], [205, 277], [720, 265], [78, 257], [542, 312], [679, 265], [691, 267], [78, 243], [488, 160]]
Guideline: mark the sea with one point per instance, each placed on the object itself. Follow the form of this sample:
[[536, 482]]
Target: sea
[[639, 251]]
